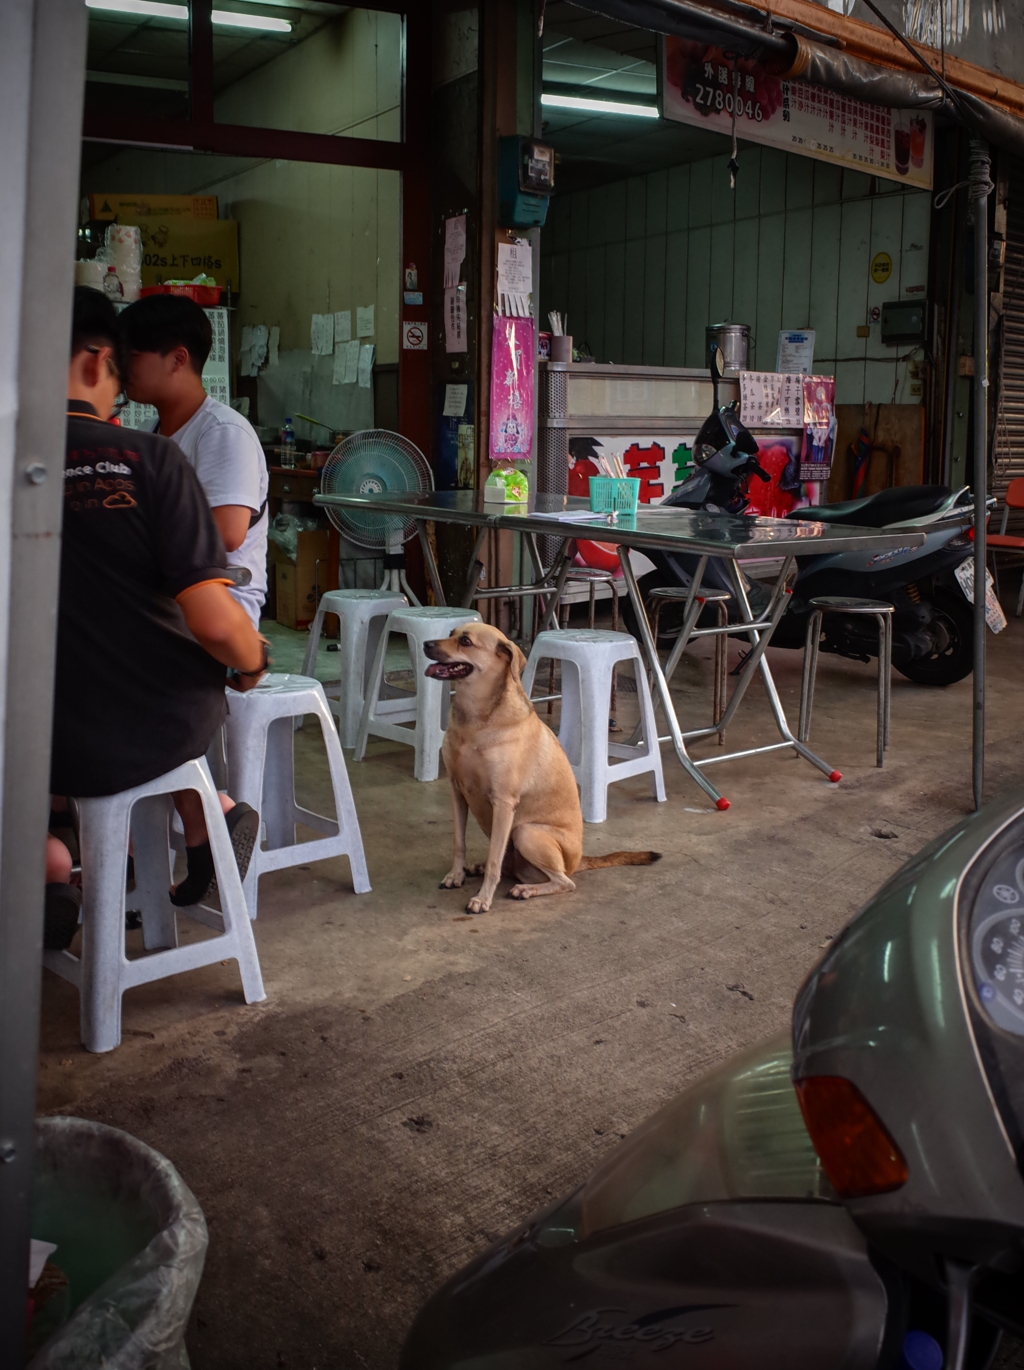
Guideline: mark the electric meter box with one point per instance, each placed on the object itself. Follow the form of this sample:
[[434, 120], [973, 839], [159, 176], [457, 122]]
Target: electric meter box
[[526, 180], [903, 321]]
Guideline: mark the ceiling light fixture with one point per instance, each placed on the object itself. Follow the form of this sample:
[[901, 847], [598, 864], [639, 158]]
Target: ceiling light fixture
[[159, 9], [598, 106]]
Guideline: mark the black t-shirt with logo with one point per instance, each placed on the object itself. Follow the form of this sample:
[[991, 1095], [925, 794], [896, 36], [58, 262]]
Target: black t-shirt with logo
[[135, 693]]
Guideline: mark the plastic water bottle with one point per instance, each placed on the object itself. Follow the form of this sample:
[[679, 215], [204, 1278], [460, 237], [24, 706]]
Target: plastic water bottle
[[112, 287], [288, 445]]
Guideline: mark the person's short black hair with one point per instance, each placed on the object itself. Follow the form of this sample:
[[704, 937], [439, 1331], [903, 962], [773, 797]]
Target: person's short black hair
[[94, 323], [160, 323]]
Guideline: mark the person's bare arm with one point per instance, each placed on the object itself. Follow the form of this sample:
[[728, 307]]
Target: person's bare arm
[[233, 522], [222, 626]]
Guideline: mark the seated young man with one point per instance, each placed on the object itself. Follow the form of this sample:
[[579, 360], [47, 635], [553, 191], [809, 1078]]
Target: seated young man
[[168, 338], [146, 625]]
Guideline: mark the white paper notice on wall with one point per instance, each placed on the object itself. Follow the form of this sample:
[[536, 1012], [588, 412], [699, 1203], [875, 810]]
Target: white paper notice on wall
[[321, 335], [338, 372], [260, 338], [273, 346], [455, 397], [414, 336], [366, 365], [515, 279], [772, 399], [245, 350], [351, 350], [796, 351], [454, 249], [342, 325], [455, 319], [364, 321]]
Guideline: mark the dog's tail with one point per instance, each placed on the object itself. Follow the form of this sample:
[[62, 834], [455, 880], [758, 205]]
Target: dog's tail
[[619, 858]]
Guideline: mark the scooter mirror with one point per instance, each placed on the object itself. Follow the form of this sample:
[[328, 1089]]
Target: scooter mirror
[[716, 362]]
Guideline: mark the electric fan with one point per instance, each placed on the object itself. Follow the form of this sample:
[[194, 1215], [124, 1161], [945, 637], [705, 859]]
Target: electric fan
[[377, 462]]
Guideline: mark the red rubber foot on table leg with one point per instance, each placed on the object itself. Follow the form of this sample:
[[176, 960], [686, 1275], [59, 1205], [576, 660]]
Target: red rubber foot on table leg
[[835, 777], [722, 804]]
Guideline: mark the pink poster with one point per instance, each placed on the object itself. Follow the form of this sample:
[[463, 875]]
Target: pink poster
[[513, 348]]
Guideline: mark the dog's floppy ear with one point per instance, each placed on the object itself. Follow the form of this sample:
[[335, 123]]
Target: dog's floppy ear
[[516, 659]]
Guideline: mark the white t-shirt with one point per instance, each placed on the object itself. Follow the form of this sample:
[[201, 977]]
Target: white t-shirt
[[225, 453]]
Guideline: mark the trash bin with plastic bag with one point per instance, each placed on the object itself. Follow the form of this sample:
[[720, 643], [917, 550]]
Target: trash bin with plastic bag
[[130, 1244]]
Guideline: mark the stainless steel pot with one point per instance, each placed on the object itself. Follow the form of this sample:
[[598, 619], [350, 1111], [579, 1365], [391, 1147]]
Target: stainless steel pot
[[734, 340]]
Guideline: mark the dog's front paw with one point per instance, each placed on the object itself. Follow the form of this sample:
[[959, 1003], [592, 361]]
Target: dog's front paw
[[453, 880], [521, 892], [478, 869], [478, 906]]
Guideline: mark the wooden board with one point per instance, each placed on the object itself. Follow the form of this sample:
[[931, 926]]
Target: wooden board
[[899, 425]]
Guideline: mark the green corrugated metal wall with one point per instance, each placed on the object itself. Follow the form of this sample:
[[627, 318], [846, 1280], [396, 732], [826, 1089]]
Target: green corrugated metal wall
[[643, 265]]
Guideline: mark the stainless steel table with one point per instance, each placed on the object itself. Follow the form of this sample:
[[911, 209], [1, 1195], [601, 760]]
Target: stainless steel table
[[733, 539]]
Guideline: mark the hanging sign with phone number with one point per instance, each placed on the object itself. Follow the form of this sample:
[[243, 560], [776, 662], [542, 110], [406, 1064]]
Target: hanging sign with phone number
[[701, 86]]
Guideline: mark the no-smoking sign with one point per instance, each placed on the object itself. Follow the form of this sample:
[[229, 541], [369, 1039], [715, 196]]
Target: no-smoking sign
[[414, 337]]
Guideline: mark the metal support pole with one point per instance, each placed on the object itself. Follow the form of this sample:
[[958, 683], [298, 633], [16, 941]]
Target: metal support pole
[[42, 74], [980, 189]]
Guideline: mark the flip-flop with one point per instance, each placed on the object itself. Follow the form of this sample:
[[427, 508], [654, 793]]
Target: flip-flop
[[243, 825]]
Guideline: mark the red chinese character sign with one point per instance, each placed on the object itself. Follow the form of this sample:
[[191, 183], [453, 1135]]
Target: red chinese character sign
[[701, 86], [512, 354]]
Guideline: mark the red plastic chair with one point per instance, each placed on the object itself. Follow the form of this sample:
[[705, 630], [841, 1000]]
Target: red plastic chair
[[1006, 542]]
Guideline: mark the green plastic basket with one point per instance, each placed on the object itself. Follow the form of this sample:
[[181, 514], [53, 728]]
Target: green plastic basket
[[610, 495]]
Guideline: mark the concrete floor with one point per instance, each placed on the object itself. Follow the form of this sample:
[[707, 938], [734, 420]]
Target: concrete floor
[[406, 1093]]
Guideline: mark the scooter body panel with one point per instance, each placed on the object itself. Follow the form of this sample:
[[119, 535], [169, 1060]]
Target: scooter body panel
[[728, 1286]]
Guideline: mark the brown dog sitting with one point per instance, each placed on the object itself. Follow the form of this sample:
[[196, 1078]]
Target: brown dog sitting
[[508, 769]]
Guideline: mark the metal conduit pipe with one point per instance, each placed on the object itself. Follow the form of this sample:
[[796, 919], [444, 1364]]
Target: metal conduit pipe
[[980, 188]]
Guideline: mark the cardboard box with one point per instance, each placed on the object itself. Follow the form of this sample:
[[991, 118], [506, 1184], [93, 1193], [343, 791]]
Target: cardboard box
[[298, 581], [178, 249], [131, 209]]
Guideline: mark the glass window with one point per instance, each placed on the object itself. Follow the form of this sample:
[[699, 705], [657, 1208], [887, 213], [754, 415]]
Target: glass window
[[137, 62], [325, 72], [293, 240]]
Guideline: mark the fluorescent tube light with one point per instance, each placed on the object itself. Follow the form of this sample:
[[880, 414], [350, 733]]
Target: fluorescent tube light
[[159, 9], [229, 19], [598, 106]]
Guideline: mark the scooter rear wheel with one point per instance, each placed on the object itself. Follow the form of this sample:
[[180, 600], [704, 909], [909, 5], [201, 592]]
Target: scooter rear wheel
[[956, 660]]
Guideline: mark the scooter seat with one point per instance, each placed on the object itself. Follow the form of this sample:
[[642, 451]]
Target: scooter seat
[[877, 511]]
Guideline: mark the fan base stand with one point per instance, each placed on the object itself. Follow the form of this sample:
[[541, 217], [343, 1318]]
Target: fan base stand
[[395, 581]]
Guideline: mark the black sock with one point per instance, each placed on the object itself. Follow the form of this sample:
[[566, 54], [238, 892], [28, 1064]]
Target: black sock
[[197, 881]]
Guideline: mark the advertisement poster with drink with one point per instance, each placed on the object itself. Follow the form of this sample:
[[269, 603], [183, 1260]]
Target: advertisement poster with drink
[[701, 86]]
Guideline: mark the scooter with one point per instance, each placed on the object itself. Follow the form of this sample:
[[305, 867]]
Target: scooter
[[933, 622], [850, 1195]]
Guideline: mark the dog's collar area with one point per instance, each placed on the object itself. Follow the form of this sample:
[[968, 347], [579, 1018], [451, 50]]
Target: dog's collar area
[[449, 670]]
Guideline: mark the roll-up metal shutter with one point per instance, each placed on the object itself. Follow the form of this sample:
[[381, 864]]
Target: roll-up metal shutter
[[1008, 437]]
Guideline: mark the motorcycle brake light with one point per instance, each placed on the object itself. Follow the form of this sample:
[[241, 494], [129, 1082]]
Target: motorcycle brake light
[[856, 1151]]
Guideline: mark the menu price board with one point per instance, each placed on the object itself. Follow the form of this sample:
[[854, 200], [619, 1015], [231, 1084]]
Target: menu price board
[[701, 86]]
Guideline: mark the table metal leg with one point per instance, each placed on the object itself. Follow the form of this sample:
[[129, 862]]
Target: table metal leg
[[661, 684], [769, 684], [430, 563], [473, 575], [560, 569], [810, 674]]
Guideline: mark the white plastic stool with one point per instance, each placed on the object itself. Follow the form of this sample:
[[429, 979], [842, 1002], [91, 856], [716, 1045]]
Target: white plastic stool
[[428, 708], [261, 770], [589, 657], [361, 614], [103, 971]]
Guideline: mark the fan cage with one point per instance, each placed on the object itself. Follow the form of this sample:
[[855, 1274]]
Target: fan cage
[[374, 461]]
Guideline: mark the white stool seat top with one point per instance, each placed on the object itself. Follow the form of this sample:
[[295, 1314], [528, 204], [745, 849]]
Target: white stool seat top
[[447, 611], [279, 682], [594, 635], [361, 594]]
